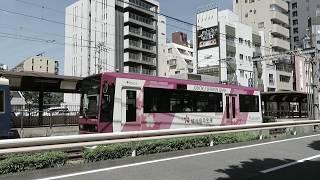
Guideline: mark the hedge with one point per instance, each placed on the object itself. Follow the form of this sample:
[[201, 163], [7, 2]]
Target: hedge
[[23, 162], [116, 151]]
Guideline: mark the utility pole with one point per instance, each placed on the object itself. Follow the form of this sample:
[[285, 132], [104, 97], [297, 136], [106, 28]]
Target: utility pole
[[101, 48], [315, 86]]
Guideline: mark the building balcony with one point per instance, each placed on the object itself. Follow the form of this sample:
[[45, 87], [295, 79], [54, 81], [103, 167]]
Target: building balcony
[[144, 8], [279, 17], [281, 4], [280, 30], [139, 33], [139, 20], [139, 58], [131, 44], [135, 70], [280, 44], [149, 72]]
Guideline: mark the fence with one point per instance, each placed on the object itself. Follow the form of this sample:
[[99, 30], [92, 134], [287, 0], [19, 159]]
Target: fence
[[53, 115]]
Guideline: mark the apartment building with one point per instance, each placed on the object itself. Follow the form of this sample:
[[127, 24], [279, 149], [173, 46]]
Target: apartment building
[[38, 64], [179, 57], [111, 35], [271, 18], [299, 14], [225, 47]]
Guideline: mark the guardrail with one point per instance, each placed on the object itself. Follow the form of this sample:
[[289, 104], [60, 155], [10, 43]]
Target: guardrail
[[81, 141]]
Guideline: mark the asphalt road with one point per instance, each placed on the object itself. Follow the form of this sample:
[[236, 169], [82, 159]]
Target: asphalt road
[[297, 158]]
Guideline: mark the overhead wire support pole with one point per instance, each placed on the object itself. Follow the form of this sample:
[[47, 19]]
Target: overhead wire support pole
[[315, 85]]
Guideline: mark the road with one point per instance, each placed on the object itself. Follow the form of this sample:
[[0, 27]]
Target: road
[[296, 158]]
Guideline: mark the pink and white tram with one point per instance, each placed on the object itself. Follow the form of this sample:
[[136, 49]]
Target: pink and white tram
[[117, 102]]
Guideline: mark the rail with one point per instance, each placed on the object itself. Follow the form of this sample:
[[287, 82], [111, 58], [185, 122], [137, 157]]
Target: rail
[[81, 141]]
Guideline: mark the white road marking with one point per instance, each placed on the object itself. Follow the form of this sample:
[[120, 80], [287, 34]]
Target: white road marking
[[290, 164], [172, 158]]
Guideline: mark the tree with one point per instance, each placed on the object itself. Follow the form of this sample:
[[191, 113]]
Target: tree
[[48, 97]]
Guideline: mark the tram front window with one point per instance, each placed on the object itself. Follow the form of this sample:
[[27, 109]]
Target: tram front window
[[91, 93]]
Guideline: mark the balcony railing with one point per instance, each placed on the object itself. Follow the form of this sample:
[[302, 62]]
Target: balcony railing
[[134, 70], [148, 59]]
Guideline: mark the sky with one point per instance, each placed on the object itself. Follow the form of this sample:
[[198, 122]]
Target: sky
[[20, 35]]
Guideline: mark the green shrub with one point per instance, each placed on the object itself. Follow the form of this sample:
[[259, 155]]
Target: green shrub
[[23, 162], [115, 151]]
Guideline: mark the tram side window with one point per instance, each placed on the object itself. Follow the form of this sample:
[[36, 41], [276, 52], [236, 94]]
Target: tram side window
[[156, 100], [181, 101], [208, 102], [2, 101], [249, 103]]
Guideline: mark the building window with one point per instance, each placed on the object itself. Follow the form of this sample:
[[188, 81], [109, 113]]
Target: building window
[[241, 40], [296, 39], [295, 22], [241, 73], [251, 1], [284, 78], [271, 82], [261, 25], [237, 1], [294, 5], [170, 50], [241, 56], [294, 13], [295, 30], [246, 15]]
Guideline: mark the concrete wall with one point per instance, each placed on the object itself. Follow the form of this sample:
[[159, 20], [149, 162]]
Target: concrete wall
[[46, 131]]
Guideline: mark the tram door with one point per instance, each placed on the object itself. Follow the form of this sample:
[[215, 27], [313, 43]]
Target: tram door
[[231, 112], [129, 105]]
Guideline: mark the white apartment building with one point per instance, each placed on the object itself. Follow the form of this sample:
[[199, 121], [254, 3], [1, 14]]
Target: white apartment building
[[225, 47], [111, 35], [162, 45], [180, 60], [270, 17], [38, 64]]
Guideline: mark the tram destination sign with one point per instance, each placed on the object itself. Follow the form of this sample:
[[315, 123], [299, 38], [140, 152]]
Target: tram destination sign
[[208, 37]]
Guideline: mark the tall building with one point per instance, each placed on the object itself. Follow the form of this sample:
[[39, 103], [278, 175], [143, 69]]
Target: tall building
[[225, 47], [179, 57], [38, 63], [162, 45], [111, 35], [269, 16], [299, 13]]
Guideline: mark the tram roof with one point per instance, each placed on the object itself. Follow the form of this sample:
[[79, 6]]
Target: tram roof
[[35, 81]]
